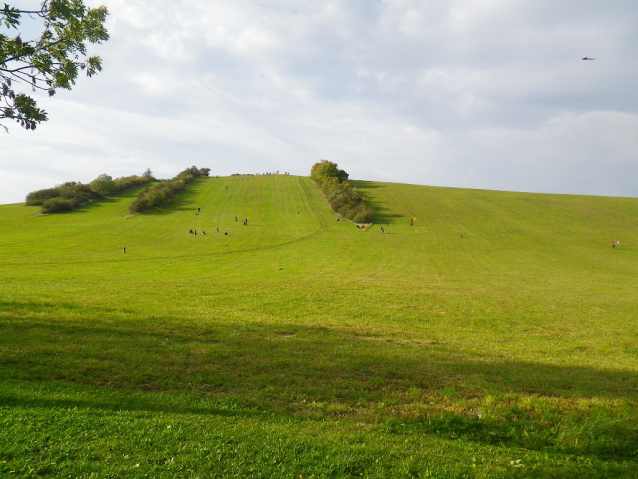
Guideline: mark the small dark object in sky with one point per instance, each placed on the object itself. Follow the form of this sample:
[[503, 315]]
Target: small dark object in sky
[[588, 58]]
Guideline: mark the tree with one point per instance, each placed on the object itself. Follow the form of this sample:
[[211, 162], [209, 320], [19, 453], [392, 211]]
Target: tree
[[327, 169], [49, 62], [104, 185]]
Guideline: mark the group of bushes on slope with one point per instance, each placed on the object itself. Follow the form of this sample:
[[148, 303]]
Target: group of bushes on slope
[[72, 194], [343, 198], [161, 193]]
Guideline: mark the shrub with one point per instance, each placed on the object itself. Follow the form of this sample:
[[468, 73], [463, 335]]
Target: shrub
[[76, 194], [163, 192], [127, 182], [80, 194], [54, 205], [36, 198]]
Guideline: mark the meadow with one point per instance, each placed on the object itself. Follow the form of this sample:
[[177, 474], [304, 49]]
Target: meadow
[[497, 337]]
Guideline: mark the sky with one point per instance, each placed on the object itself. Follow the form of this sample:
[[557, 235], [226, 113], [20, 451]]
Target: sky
[[487, 94]]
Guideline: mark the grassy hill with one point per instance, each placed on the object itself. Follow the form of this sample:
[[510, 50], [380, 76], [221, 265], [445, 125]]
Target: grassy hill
[[299, 346]]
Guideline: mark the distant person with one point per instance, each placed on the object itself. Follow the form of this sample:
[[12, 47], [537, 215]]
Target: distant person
[[226, 186], [198, 210], [461, 235], [338, 219], [124, 249], [218, 230], [195, 232], [203, 232], [382, 230], [618, 243], [236, 218], [190, 231], [613, 245], [411, 221], [226, 233]]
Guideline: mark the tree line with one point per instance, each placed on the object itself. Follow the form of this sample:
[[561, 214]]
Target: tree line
[[161, 193], [72, 194], [342, 197]]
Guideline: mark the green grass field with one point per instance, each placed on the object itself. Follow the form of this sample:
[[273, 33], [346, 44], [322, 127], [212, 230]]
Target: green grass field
[[299, 346]]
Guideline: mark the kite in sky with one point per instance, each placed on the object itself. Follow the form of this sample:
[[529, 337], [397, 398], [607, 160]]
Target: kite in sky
[[588, 58]]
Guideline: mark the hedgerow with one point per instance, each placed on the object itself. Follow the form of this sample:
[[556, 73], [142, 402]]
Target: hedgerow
[[70, 195], [342, 197], [161, 193]]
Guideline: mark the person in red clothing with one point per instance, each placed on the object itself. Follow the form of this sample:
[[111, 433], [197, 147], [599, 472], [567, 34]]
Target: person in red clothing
[[613, 245]]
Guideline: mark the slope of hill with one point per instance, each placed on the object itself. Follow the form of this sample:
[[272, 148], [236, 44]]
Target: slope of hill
[[299, 345]]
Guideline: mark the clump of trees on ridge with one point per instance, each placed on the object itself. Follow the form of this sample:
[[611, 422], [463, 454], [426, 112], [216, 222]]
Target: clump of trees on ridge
[[343, 198], [161, 193], [72, 194]]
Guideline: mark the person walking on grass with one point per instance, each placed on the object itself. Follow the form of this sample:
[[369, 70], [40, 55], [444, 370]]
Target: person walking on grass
[[124, 249], [613, 245]]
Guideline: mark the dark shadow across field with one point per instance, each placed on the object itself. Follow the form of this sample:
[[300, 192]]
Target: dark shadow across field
[[265, 365], [322, 363]]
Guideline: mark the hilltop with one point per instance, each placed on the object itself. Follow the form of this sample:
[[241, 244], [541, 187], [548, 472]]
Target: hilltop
[[500, 327]]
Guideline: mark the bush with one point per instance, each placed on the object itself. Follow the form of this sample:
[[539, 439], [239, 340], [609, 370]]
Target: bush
[[128, 182], [80, 194], [55, 205], [76, 194], [36, 198], [163, 192]]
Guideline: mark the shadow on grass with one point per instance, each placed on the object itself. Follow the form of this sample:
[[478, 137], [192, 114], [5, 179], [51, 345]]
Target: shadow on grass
[[89, 207], [365, 185], [269, 365], [382, 215], [118, 402], [321, 362]]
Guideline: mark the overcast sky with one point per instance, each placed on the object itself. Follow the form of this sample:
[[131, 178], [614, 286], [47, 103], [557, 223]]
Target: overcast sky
[[486, 94]]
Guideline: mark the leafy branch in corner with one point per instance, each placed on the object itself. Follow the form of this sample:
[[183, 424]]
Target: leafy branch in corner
[[52, 61]]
